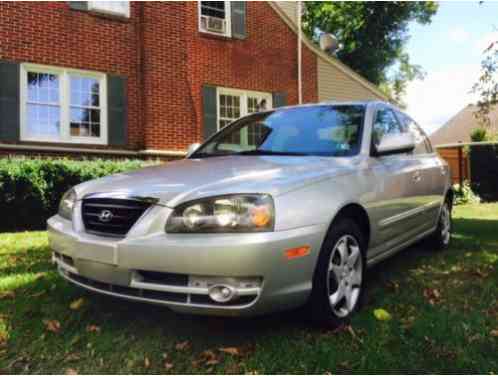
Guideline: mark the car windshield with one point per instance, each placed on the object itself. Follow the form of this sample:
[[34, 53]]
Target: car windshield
[[324, 130]]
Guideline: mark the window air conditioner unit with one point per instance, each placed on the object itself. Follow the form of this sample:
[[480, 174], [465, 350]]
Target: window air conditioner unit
[[214, 24]]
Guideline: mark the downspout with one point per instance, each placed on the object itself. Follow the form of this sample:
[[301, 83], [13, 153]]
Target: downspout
[[299, 53]]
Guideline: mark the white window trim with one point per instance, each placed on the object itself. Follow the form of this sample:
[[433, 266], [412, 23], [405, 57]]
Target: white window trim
[[64, 102], [243, 94], [228, 19], [93, 6]]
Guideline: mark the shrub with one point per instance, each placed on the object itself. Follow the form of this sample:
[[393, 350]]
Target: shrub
[[30, 189], [479, 135], [465, 195]]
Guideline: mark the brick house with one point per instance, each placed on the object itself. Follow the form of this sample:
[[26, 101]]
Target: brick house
[[147, 79]]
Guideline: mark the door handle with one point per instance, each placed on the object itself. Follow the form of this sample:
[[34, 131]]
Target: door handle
[[417, 176]]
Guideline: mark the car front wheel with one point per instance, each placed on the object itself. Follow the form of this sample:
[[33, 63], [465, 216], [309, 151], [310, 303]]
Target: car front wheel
[[441, 238], [338, 280]]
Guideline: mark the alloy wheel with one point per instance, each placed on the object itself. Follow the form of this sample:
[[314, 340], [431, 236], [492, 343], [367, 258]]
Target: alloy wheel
[[445, 224], [344, 277]]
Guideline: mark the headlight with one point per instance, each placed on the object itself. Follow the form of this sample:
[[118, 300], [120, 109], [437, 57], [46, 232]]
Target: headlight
[[231, 213], [66, 204]]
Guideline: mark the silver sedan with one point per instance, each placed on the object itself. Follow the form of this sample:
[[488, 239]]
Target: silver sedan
[[279, 209]]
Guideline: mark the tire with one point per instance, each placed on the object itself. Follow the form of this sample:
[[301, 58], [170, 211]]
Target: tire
[[441, 238], [338, 279]]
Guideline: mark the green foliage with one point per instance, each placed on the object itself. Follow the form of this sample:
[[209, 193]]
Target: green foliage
[[479, 135], [487, 86], [30, 189], [373, 36], [465, 195]]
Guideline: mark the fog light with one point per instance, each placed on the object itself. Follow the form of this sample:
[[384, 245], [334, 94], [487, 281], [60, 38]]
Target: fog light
[[221, 293]]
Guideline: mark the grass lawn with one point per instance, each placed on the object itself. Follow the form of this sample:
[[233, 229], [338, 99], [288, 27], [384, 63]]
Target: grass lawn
[[444, 309]]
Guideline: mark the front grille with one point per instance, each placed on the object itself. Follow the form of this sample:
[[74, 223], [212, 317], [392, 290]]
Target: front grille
[[123, 215]]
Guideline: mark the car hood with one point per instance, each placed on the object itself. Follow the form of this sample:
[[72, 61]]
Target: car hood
[[188, 179]]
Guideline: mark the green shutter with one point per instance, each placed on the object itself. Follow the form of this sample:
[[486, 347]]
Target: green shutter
[[279, 99], [238, 13], [78, 5], [117, 122], [9, 101], [209, 111]]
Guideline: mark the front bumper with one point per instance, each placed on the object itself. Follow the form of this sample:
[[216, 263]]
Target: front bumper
[[177, 270]]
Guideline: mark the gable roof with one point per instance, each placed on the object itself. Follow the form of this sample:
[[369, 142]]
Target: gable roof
[[286, 10], [458, 128]]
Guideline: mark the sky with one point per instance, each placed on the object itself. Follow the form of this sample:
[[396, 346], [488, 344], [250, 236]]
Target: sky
[[450, 50]]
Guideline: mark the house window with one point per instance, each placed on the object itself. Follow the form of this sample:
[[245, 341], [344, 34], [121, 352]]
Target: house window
[[214, 17], [233, 104], [114, 8], [62, 105]]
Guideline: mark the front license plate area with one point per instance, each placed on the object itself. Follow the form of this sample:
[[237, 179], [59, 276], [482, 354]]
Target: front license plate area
[[103, 272]]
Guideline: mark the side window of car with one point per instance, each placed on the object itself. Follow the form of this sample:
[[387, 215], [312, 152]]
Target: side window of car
[[422, 144], [385, 123]]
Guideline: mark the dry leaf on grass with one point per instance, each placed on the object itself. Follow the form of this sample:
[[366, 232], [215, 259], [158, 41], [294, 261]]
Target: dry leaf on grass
[[71, 371], [494, 333], [93, 329], [77, 304], [182, 346], [230, 350], [72, 358], [146, 362], [432, 295], [168, 366], [53, 326]]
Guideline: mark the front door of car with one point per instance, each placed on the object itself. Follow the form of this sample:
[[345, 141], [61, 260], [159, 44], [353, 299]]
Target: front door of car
[[396, 188]]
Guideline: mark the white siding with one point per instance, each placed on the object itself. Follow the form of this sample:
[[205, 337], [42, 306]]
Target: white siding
[[289, 8], [336, 85]]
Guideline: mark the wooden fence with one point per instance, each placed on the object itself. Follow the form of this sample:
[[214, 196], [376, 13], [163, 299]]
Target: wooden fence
[[458, 161]]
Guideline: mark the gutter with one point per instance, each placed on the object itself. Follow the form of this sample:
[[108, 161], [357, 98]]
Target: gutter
[[115, 152], [329, 59]]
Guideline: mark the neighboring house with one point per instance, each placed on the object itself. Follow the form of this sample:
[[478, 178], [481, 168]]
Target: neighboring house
[[459, 127], [149, 78]]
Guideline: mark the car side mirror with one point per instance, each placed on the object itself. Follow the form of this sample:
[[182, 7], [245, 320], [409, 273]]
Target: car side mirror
[[394, 144], [192, 149]]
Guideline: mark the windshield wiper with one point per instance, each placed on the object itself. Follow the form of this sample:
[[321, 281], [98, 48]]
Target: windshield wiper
[[268, 152]]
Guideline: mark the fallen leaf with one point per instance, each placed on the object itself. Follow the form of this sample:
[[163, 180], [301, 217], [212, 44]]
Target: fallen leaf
[[382, 314], [7, 295], [182, 346], [494, 333], [72, 358], [146, 362], [432, 295], [196, 363], [38, 294], [53, 326], [93, 329], [230, 350], [212, 362], [71, 371], [77, 304], [168, 366]]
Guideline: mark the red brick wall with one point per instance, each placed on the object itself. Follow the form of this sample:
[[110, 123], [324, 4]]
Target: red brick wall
[[164, 94], [265, 61], [52, 34]]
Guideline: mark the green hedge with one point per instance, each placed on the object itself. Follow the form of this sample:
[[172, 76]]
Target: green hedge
[[30, 189]]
